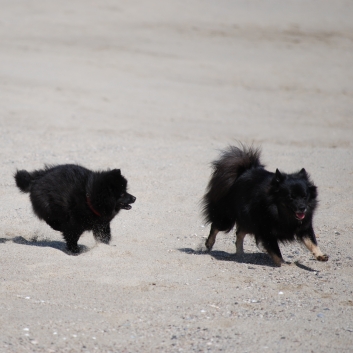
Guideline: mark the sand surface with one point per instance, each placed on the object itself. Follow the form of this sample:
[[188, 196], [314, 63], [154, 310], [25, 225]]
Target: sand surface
[[157, 88]]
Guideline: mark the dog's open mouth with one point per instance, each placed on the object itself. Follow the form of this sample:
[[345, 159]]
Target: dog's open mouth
[[125, 206], [299, 216]]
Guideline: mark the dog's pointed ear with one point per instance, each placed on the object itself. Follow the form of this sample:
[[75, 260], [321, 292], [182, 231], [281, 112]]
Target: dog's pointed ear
[[303, 173], [116, 172], [113, 176], [279, 177]]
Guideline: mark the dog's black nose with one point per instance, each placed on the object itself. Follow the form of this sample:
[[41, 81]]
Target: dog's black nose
[[302, 209], [133, 199]]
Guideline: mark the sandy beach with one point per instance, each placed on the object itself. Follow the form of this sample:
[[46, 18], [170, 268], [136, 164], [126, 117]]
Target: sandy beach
[[157, 89]]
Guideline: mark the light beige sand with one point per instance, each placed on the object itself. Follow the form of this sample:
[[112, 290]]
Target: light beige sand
[[156, 88]]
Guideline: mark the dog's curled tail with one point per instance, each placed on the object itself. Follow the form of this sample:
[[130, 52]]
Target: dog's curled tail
[[24, 179], [234, 161]]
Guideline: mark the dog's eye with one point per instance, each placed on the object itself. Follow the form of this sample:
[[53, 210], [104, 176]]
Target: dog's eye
[[122, 194]]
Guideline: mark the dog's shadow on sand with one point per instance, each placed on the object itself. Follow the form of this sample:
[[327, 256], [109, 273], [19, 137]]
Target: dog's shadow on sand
[[59, 245], [246, 258], [259, 258]]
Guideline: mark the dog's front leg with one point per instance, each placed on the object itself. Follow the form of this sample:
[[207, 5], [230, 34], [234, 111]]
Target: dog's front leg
[[310, 242], [102, 233]]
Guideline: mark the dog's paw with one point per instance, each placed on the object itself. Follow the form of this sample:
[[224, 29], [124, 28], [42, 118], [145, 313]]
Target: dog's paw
[[73, 250], [208, 246], [278, 261], [239, 250], [322, 257]]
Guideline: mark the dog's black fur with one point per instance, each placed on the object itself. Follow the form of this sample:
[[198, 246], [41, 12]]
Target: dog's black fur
[[274, 207], [72, 199]]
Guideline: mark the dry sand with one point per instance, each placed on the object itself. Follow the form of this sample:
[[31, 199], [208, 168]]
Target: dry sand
[[157, 88]]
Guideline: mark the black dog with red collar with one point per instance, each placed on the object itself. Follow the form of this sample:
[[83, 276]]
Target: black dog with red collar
[[72, 199]]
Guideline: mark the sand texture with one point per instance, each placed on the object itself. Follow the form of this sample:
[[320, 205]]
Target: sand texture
[[157, 88]]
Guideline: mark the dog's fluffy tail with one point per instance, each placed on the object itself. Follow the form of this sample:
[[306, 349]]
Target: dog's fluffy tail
[[24, 179], [234, 161]]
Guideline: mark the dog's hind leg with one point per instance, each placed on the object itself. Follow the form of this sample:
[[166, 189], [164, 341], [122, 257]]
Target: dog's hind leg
[[240, 241], [310, 242], [211, 238], [102, 233]]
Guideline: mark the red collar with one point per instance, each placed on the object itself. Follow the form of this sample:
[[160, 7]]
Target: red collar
[[89, 203]]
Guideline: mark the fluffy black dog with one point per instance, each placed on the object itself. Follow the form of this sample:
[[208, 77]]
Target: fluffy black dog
[[274, 207], [73, 199]]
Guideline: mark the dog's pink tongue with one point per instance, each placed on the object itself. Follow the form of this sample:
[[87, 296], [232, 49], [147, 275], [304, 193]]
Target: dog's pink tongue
[[300, 216]]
